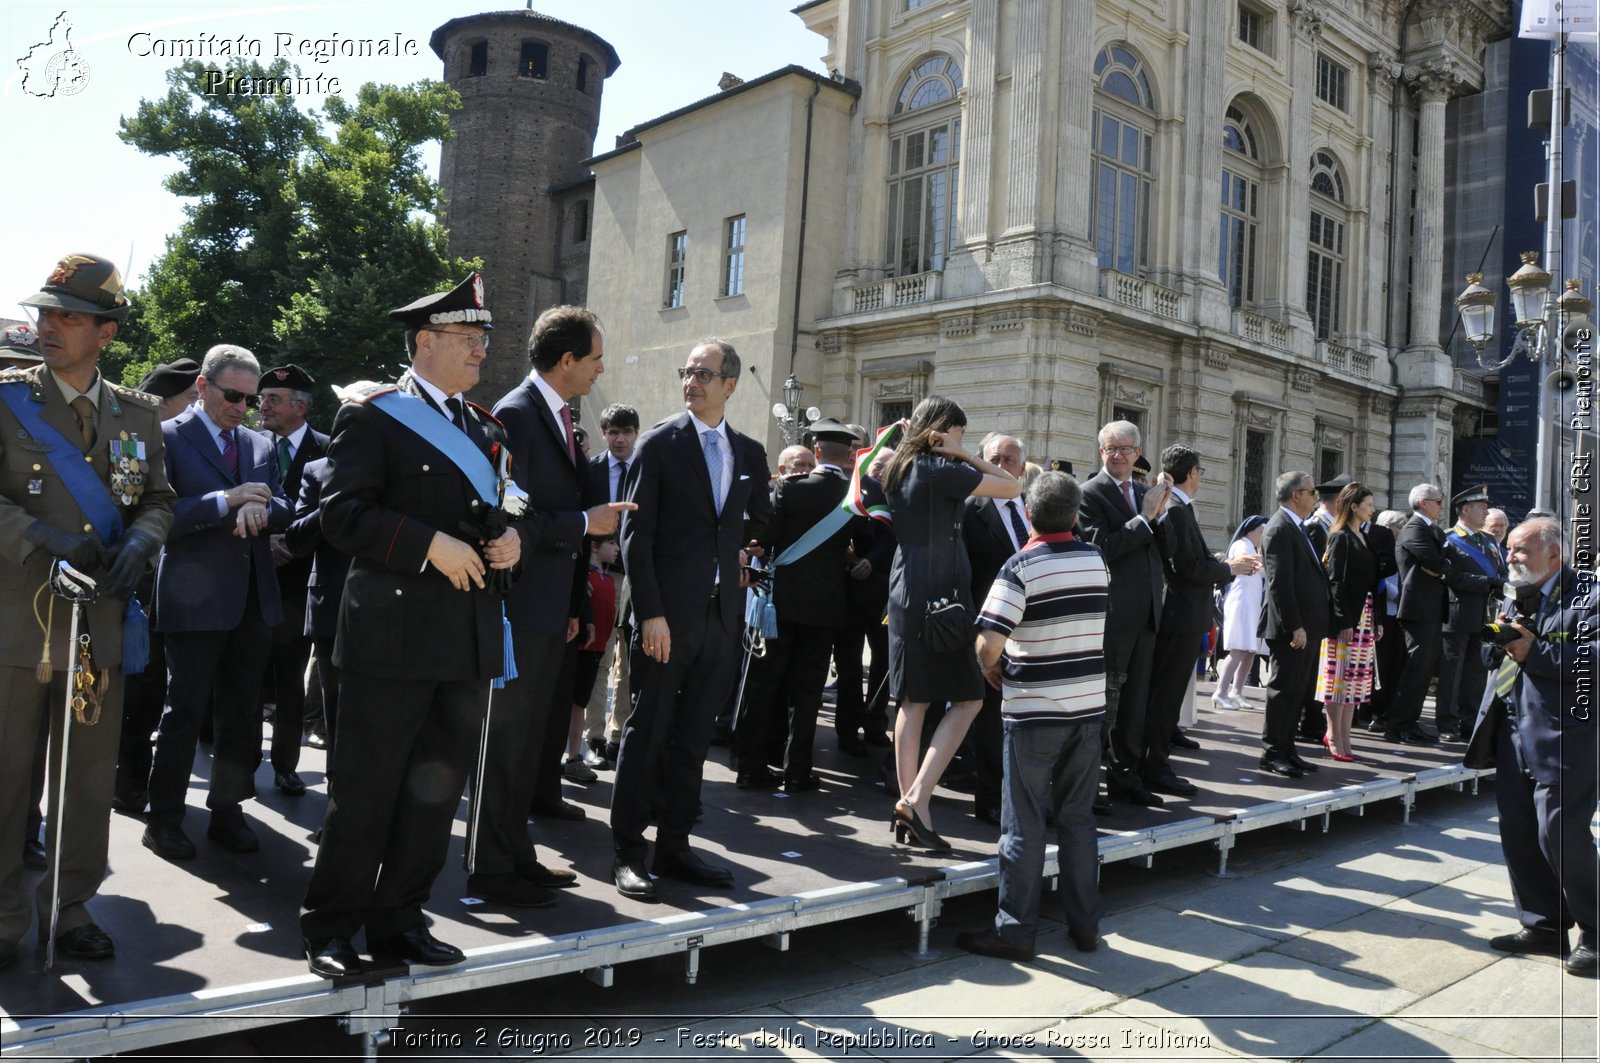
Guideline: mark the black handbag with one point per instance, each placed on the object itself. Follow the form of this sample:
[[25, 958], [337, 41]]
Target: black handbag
[[946, 627]]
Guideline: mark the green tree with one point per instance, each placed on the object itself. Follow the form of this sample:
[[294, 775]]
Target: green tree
[[304, 228]]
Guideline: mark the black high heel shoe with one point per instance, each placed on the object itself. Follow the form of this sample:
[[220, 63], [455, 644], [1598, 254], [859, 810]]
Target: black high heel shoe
[[910, 830]]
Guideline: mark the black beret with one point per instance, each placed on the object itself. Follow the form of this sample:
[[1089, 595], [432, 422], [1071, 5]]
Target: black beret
[[288, 376], [171, 378]]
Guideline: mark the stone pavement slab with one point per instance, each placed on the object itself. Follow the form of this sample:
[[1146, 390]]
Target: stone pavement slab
[[1391, 947]]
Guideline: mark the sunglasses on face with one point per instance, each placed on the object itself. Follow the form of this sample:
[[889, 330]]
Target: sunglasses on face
[[249, 398]]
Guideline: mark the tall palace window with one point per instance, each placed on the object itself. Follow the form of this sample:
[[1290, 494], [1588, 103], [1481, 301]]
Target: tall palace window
[[1123, 131], [924, 166], [1241, 210], [1325, 263]]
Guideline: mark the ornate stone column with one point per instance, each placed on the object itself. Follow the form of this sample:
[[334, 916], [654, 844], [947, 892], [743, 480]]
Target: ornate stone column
[[1424, 363], [1075, 264], [1305, 20], [1383, 74], [1192, 170], [977, 121]]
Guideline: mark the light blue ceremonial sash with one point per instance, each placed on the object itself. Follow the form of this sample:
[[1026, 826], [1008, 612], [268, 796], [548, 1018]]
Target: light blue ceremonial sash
[[443, 435], [94, 499], [1465, 545], [761, 610]]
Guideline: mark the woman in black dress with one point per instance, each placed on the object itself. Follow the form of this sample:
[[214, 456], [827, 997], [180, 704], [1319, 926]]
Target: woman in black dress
[[1349, 656], [926, 482]]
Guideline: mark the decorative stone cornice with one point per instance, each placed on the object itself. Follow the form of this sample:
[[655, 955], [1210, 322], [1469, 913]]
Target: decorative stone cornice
[[1302, 380], [1217, 358], [830, 342], [958, 327]]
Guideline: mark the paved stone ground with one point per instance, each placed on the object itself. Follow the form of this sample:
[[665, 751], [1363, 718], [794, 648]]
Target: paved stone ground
[[1368, 943]]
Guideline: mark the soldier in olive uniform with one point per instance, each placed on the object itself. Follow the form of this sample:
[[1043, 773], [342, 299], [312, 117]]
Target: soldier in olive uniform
[[56, 419]]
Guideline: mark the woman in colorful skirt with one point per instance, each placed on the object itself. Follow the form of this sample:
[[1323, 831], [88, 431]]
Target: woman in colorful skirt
[[1349, 655]]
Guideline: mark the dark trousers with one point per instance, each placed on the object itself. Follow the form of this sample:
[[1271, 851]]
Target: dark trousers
[[401, 762], [665, 740], [1130, 656], [1168, 686], [518, 716], [1391, 652], [784, 692], [987, 738], [1423, 642], [1050, 770], [230, 663], [328, 679], [1549, 850], [143, 696], [855, 711], [546, 766], [286, 664], [1291, 671], [1462, 676]]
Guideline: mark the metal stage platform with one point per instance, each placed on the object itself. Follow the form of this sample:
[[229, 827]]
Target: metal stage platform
[[212, 946]]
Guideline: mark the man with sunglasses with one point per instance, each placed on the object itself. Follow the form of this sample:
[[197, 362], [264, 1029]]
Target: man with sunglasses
[[217, 600], [701, 493]]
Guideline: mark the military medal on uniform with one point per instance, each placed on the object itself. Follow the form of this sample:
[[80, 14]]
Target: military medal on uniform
[[128, 464]]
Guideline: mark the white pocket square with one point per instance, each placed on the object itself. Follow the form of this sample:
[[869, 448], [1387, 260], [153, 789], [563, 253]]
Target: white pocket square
[[743, 476]]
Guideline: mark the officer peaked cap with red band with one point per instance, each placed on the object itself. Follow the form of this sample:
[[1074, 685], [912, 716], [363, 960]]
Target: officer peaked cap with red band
[[462, 304]]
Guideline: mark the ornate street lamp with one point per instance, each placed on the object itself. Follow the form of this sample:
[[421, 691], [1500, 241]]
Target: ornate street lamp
[[1530, 293], [790, 417], [1476, 306]]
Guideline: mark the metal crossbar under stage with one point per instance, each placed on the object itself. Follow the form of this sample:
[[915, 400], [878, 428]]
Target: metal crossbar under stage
[[368, 1008]]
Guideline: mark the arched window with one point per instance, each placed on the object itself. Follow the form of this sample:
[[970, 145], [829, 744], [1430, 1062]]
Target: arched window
[[1123, 132], [924, 167], [1241, 208], [1325, 263]]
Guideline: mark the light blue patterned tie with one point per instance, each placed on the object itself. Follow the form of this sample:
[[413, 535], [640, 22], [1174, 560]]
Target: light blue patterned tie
[[714, 466]]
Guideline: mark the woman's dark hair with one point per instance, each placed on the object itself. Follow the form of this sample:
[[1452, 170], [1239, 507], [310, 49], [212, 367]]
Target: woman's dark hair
[[933, 414], [1344, 509]]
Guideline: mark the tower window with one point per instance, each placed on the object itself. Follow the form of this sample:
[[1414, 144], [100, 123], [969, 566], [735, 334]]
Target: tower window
[[580, 221], [535, 61], [478, 60], [583, 74]]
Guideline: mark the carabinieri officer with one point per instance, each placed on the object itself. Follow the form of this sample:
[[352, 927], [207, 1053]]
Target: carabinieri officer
[[420, 635]]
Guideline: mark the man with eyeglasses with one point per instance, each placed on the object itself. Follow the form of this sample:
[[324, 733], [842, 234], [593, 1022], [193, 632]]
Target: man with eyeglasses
[[1120, 516], [1428, 569], [420, 635], [285, 402], [1295, 617], [701, 492], [217, 599]]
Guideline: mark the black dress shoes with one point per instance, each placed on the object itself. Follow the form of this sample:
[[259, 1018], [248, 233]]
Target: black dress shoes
[[1085, 942], [34, 856], [687, 867], [1138, 795], [1305, 766], [632, 882], [130, 804], [86, 942], [290, 783], [1536, 942], [1584, 962], [880, 739], [762, 778], [415, 947], [1169, 783], [548, 877], [510, 889], [1278, 765], [317, 739], [168, 841], [559, 810], [853, 746], [1411, 736], [987, 812], [1101, 806], [802, 783], [1179, 740], [987, 943], [233, 835], [333, 958]]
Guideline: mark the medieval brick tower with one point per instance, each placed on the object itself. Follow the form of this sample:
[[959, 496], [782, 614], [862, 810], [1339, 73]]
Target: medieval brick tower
[[517, 194]]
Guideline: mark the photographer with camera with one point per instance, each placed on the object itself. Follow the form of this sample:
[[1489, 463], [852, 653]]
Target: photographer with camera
[[1537, 729]]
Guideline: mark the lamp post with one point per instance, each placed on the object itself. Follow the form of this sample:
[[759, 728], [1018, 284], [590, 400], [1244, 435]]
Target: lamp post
[[792, 420]]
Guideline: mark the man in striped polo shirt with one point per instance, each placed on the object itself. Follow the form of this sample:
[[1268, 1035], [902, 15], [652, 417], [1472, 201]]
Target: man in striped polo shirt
[[1041, 637]]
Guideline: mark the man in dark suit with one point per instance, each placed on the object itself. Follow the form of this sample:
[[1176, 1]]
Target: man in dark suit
[[216, 602], [419, 637], [1461, 670], [285, 401], [324, 590], [1536, 727], [993, 530], [1391, 648], [1186, 616], [701, 492], [1427, 572], [1313, 721], [784, 693], [608, 472], [1119, 517], [1295, 618], [861, 720], [530, 717]]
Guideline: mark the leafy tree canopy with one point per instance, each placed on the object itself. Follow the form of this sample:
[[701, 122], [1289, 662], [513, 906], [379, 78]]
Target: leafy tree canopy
[[303, 227]]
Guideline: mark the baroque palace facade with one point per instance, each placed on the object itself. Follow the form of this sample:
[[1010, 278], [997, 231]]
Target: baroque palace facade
[[1220, 219]]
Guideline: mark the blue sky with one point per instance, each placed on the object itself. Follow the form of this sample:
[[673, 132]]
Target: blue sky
[[68, 184]]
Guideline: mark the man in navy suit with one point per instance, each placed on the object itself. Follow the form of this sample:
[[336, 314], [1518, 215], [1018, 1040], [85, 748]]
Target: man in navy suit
[[216, 601], [324, 590], [285, 401], [1537, 728], [1295, 618], [701, 492], [1119, 515], [528, 723]]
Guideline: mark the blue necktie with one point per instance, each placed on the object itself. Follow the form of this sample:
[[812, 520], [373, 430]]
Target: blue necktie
[[714, 466]]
